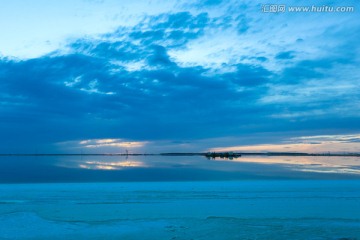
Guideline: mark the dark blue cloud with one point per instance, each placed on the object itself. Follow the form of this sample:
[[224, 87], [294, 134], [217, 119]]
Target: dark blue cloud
[[312, 69], [159, 56], [212, 2], [68, 96], [242, 24], [249, 75], [285, 55], [175, 29]]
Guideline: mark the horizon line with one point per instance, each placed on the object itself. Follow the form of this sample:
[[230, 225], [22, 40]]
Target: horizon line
[[346, 154]]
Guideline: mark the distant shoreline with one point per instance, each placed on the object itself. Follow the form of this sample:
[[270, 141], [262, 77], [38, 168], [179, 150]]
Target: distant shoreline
[[185, 154]]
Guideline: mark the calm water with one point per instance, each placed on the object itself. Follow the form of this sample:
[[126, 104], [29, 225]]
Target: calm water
[[164, 168], [248, 209], [157, 197]]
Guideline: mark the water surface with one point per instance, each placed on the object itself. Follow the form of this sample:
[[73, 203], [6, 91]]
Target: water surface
[[26, 169], [248, 209]]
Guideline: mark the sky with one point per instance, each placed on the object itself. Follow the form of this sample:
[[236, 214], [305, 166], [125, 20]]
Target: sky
[[106, 76]]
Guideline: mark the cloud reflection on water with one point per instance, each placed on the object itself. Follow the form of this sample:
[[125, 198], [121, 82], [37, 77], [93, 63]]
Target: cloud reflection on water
[[319, 164], [255, 164], [108, 165], [86, 168]]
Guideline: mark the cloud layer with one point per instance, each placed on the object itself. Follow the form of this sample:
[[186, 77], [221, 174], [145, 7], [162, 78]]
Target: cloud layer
[[219, 70]]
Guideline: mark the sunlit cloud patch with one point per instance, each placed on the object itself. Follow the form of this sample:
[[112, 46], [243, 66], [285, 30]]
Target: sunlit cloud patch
[[306, 144], [111, 143]]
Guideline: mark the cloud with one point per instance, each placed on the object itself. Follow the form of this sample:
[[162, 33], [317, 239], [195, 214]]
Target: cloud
[[249, 75], [114, 143], [306, 144], [185, 75], [285, 55], [345, 138]]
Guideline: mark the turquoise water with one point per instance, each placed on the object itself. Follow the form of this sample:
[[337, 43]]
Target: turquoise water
[[156, 198], [249, 209]]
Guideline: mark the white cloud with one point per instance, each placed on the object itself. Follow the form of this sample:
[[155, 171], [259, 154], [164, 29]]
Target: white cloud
[[112, 143], [306, 144], [73, 82]]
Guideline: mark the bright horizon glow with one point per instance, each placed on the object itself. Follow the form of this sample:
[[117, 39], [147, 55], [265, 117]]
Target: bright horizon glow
[[305, 144]]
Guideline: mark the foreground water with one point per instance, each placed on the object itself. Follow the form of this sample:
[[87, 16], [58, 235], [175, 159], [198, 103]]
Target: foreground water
[[168, 197], [248, 209]]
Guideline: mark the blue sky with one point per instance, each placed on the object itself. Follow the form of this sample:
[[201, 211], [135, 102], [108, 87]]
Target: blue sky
[[159, 76]]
